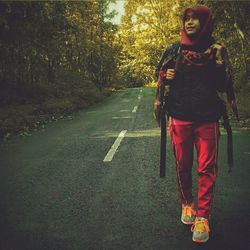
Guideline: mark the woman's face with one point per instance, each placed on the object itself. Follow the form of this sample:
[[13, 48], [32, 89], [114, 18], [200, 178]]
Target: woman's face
[[191, 23]]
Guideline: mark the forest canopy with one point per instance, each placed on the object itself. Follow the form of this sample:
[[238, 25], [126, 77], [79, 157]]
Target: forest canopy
[[54, 48]]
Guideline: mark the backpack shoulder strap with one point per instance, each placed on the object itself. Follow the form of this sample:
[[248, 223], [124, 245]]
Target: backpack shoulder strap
[[171, 52], [222, 59], [175, 49]]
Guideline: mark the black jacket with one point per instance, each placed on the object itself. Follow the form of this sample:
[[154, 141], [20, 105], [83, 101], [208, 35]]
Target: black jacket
[[193, 92]]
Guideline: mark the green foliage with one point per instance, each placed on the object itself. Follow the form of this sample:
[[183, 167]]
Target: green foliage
[[23, 118], [57, 106], [243, 102], [232, 27], [15, 119], [41, 39], [147, 28]]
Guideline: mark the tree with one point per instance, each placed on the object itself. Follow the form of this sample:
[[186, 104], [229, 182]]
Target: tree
[[146, 29], [232, 27], [43, 40]]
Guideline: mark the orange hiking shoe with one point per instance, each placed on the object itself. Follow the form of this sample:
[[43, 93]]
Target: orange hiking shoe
[[188, 214], [200, 230]]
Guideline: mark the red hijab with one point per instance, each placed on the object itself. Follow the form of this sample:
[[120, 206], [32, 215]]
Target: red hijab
[[206, 27]]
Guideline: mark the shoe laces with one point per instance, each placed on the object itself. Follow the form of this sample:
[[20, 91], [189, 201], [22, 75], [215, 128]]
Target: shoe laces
[[200, 226], [188, 210]]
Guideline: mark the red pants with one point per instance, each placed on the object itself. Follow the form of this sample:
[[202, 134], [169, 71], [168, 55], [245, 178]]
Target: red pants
[[205, 137]]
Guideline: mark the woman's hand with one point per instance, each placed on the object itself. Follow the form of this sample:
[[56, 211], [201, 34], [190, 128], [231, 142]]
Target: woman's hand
[[170, 74]]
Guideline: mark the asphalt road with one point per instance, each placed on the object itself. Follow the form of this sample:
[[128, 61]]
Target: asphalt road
[[57, 192]]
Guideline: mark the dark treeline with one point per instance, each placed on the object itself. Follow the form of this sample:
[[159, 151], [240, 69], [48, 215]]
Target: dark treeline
[[232, 27], [54, 49]]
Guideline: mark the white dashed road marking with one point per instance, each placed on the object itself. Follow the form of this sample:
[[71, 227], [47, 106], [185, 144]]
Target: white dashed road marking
[[109, 156], [121, 117], [135, 109]]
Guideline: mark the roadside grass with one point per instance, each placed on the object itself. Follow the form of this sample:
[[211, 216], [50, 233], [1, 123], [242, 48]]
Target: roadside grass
[[243, 102], [243, 105], [22, 119]]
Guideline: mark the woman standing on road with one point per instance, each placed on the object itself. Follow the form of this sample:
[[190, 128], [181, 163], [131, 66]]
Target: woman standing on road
[[194, 108]]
